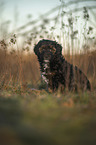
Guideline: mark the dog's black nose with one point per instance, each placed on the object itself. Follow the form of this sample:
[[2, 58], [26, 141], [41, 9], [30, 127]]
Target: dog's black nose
[[47, 56]]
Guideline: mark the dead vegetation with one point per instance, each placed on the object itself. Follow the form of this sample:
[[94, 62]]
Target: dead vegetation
[[19, 69]]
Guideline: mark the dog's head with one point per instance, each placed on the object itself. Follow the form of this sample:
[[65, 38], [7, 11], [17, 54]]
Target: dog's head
[[45, 49]]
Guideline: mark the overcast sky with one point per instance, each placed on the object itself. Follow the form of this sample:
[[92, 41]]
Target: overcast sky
[[33, 7], [25, 7]]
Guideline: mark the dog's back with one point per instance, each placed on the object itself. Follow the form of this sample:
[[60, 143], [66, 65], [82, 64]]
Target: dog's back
[[74, 78]]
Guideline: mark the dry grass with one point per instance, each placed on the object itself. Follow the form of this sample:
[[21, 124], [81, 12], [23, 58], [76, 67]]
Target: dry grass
[[18, 69]]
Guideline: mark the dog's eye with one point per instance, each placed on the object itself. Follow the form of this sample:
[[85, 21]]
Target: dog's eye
[[41, 49], [53, 50]]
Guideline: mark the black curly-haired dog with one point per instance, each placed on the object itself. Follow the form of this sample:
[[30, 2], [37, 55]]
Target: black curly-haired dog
[[56, 71]]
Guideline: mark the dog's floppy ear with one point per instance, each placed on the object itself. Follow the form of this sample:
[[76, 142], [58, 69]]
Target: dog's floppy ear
[[58, 48], [36, 49], [39, 45]]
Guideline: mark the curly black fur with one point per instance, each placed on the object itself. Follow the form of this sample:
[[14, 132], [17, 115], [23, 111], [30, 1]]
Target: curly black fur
[[56, 71]]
